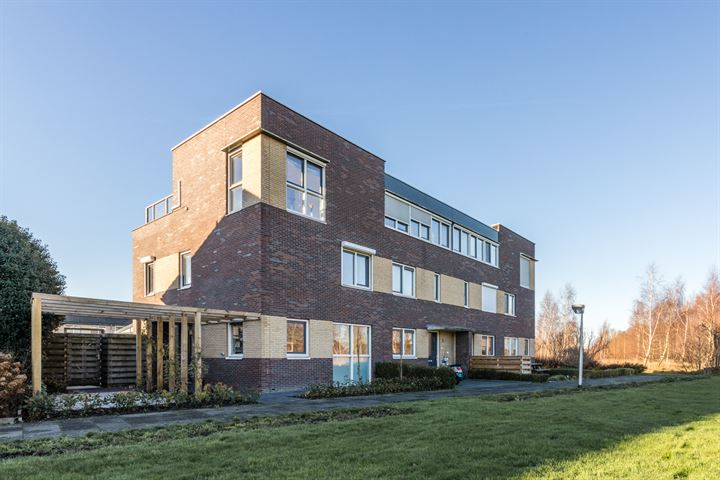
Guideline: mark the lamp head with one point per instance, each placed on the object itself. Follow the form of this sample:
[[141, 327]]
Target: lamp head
[[578, 308]]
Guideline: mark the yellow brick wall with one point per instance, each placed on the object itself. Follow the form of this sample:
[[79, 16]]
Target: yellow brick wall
[[273, 336], [252, 171], [167, 272], [273, 171], [500, 301], [424, 284], [320, 338], [447, 346], [532, 275], [452, 291], [476, 296], [382, 275], [252, 341], [422, 343], [214, 340]]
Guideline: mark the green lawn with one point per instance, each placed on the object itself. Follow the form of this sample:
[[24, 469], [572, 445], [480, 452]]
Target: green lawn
[[669, 430]]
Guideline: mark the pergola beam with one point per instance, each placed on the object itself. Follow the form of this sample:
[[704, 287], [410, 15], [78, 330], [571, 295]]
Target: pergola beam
[[36, 343]]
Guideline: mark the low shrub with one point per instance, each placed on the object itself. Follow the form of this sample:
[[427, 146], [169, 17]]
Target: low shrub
[[637, 367], [376, 387], [603, 373], [559, 378], [13, 385], [490, 374], [391, 370], [42, 406]]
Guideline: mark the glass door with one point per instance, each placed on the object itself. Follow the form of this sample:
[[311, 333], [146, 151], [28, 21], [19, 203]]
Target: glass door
[[351, 353]]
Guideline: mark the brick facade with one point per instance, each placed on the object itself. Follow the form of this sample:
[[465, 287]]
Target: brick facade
[[267, 260]]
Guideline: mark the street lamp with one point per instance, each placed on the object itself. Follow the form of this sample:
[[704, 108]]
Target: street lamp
[[579, 309]]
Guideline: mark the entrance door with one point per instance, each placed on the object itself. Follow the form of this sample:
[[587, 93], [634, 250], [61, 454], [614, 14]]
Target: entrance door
[[351, 353], [433, 359], [447, 348]]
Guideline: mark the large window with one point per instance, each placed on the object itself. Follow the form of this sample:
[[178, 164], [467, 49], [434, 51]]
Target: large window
[[149, 278], [235, 340], [356, 269], [297, 338], [484, 345], [403, 343], [185, 269], [351, 353], [436, 287], [489, 298], [526, 346], [525, 272], [403, 280], [235, 176], [509, 304], [305, 187], [511, 346]]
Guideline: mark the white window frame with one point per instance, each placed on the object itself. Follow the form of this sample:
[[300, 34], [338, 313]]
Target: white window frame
[[514, 347], [306, 354], [437, 295], [526, 347], [466, 294], [491, 342], [230, 355], [402, 353], [524, 258], [304, 188], [146, 266], [233, 186], [352, 355], [482, 297], [181, 284], [403, 268], [509, 300], [356, 250]]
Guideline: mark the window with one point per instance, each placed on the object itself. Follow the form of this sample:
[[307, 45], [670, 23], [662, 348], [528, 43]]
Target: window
[[390, 222], [403, 280], [526, 347], [356, 269], [436, 285], [509, 304], [524, 272], [235, 175], [511, 346], [185, 270], [235, 340], [305, 187], [456, 239], [403, 343], [484, 345], [445, 235], [402, 226], [149, 278], [489, 298], [466, 293], [297, 338], [351, 353]]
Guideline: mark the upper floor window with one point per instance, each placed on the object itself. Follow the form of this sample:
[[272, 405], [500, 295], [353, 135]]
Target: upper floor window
[[297, 338], [489, 298], [403, 280], [403, 343], [525, 280], [356, 269], [235, 339], [185, 269], [509, 304], [436, 287], [235, 176], [305, 187], [149, 278]]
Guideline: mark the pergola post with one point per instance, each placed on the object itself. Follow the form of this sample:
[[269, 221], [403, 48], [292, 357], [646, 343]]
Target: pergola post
[[36, 343], [138, 324], [148, 356], [160, 354], [197, 326], [183, 354], [171, 353]]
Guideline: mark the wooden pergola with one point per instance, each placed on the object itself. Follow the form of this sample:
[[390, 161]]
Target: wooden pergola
[[143, 315]]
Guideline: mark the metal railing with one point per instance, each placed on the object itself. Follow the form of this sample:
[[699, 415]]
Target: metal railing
[[159, 209]]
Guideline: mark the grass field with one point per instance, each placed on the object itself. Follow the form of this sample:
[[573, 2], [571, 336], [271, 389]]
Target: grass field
[[663, 431]]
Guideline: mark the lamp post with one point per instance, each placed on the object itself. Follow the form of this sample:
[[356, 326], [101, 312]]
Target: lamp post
[[579, 308]]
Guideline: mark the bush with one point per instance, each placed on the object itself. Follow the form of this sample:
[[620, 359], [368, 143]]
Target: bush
[[42, 405], [604, 373], [391, 370], [376, 387], [558, 378], [13, 385], [637, 367], [490, 374]]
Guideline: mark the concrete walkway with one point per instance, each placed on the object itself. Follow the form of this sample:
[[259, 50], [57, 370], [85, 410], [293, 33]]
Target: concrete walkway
[[277, 404]]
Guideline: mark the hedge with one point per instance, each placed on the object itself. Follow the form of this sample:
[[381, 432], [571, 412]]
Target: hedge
[[490, 374], [388, 370], [605, 373], [376, 387]]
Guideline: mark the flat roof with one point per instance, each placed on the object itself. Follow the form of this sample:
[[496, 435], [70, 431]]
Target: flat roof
[[422, 199]]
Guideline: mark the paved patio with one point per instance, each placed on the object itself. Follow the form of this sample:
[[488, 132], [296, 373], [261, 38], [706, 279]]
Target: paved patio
[[277, 404]]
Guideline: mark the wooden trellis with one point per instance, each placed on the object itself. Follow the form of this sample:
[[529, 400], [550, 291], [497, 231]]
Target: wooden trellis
[[143, 316]]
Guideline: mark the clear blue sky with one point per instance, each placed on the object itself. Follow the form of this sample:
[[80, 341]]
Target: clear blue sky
[[590, 128]]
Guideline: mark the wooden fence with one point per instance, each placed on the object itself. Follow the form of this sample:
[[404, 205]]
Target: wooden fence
[[519, 364], [73, 359]]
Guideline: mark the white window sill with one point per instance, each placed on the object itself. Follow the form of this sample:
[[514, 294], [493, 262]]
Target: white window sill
[[298, 356], [403, 295], [234, 357], [404, 357], [356, 287], [185, 287], [324, 222]]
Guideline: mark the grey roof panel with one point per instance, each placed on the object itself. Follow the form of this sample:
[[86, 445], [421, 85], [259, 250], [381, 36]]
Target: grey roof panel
[[413, 195]]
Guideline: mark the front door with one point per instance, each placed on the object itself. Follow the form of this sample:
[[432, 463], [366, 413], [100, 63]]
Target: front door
[[433, 359], [447, 348]]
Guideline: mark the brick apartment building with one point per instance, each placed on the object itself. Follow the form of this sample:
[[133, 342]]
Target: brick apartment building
[[346, 265]]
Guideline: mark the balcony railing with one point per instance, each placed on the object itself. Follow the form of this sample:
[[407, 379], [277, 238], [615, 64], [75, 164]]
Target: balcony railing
[[159, 209]]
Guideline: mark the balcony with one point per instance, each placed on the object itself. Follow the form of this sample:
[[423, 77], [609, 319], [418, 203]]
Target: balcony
[[159, 209]]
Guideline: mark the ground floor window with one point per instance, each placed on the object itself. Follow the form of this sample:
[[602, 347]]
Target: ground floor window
[[511, 346], [351, 353], [484, 345], [297, 338], [403, 343], [235, 340]]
